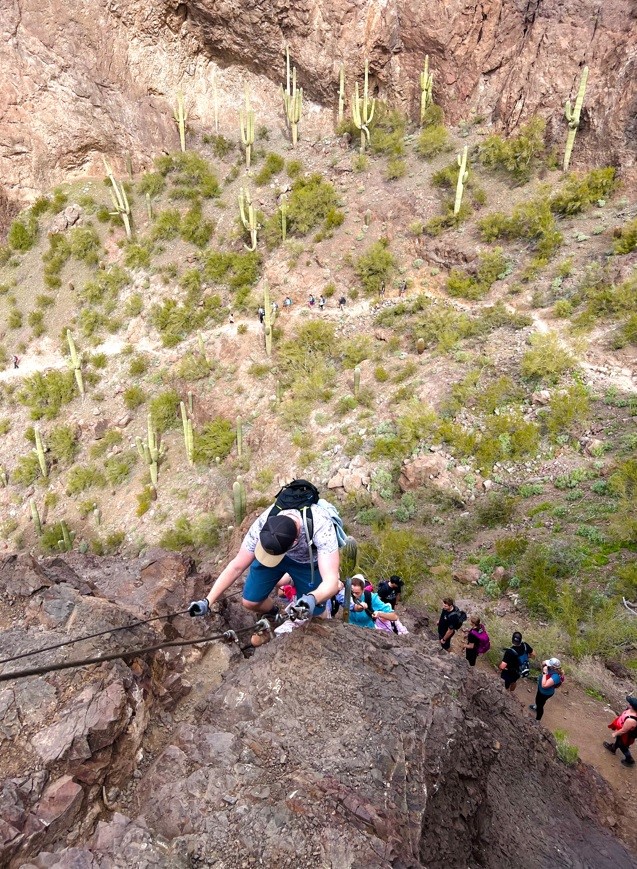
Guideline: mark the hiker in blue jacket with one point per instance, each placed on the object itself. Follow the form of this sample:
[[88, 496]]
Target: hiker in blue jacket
[[549, 679], [367, 607]]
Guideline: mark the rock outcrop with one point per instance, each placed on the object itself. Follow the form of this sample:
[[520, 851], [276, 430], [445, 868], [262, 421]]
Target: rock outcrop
[[333, 746], [78, 81]]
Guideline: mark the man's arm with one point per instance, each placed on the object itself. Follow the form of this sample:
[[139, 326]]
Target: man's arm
[[242, 560], [628, 725], [328, 565]]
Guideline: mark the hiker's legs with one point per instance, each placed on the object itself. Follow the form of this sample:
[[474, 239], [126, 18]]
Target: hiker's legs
[[471, 655], [540, 700], [258, 586], [623, 748]]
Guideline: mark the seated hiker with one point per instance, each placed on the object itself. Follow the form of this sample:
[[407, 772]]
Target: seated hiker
[[301, 542], [366, 606], [389, 590]]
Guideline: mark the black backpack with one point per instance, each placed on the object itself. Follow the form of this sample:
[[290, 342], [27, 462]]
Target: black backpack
[[459, 618], [297, 495]]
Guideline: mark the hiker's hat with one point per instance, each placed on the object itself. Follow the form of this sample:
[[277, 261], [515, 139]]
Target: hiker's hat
[[516, 638], [554, 663], [632, 701], [277, 536]]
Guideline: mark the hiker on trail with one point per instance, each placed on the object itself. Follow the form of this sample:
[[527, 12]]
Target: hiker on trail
[[16, 361], [278, 543], [275, 307], [477, 642], [342, 302], [261, 313], [549, 679], [311, 301], [381, 292], [231, 318], [389, 590], [287, 302], [402, 289], [367, 606], [515, 661], [625, 729], [451, 619], [321, 302]]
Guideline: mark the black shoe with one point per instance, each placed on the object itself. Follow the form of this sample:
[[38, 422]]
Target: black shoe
[[609, 747], [628, 761], [533, 707]]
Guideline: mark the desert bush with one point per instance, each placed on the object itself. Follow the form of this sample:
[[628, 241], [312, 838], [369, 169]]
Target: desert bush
[[194, 366], [312, 340], [62, 443], [506, 436], [152, 183], [105, 286], [35, 319], [626, 241], [221, 146], [188, 534], [27, 471], [190, 175], [84, 244], [23, 233], [52, 536], [117, 469], [375, 266], [195, 228], [137, 256], [568, 411], [272, 165], [492, 265], [312, 201], [433, 140], [164, 410], [138, 365], [396, 168], [44, 394], [579, 193], [234, 270], [517, 156], [496, 509], [567, 753], [532, 221], [215, 440], [80, 478], [166, 226], [547, 360], [134, 397], [387, 131], [398, 551], [112, 437]]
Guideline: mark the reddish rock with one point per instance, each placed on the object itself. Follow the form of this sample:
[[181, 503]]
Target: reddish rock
[[59, 806], [467, 575], [421, 471]]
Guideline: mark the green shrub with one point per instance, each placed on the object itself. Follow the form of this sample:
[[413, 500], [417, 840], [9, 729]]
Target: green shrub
[[195, 228], [568, 410], [117, 469], [80, 478], [112, 437], [106, 286], [137, 256], [433, 140], [203, 532], [375, 266], [528, 490], [190, 175], [396, 168], [562, 309], [402, 552], [27, 471], [84, 244], [626, 242], [381, 374], [518, 155], [164, 410], [547, 360], [293, 168], [35, 319], [387, 131], [215, 440], [492, 266], [144, 500], [532, 221], [496, 509], [567, 753], [151, 183], [23, 234], [578, 194], [194, 366], [44, 394], [166, 226], [311, 201], [312, 340], [5, 426], [234, 270], [272, 165], [52, 536], [62, 443], [221, 146], [14, 320]]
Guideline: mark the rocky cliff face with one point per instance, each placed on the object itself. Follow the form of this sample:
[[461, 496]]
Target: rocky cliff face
[[90, 78], [332, 747]]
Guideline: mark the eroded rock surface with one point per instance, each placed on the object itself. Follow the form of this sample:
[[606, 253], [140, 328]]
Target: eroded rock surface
[[90, 78]]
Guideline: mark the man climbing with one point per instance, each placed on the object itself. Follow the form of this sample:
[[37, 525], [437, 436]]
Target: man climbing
[[276, 544], [625, 729]]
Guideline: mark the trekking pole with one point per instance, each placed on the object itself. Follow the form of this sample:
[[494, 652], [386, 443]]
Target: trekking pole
[[347, 599]]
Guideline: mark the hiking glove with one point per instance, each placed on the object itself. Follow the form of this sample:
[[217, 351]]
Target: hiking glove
[[199, 608], [303, 608]]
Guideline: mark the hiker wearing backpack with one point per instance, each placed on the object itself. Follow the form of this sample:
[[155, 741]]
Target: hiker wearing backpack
[[451, 619], [297, 535], [515, 661], [367, 606], [477, 642], [625, 729], [549, 679], [389, 590]]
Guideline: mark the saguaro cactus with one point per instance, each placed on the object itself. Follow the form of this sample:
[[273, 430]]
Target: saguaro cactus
[[239, 437], [119, 200], [268, 320], [284, 217], [35, 517], [76, 365], [239, 501], [39, 451], [363, 109], [66, 543], [246, 121], [292, 100], [572, 115], [248, 216], [341, 94], [189, 436], [180, 115], [4, 480], [150, 451], [357, 381], [426, 89], [462, 179]]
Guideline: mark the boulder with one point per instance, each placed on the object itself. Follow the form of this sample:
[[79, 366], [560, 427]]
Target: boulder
[[467, 575], [421, 471]]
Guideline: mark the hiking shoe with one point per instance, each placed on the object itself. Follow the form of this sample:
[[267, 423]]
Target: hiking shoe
[[628, 761], [533, 707], [609, 747]]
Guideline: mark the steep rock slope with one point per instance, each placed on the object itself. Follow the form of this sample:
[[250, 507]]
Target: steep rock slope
[[84, 79]]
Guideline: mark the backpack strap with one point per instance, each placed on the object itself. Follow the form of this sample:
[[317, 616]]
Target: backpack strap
[[368, 600]]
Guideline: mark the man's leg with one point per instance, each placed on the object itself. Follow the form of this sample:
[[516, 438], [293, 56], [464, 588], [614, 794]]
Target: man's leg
[[258, 586], [628, 759], [305, 582]]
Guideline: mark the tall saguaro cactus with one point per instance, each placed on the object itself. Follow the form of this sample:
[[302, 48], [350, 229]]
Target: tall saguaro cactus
[[363, 109], [341, 93], [292, 100], [426, 89], [150, 451], [35, 517], [39, 451], [180, 116], [284, 217], [119, 200], [189, 435], [76, 365], [248, 217], [463, 175], [239, 437], [572, 115], [246, 122]]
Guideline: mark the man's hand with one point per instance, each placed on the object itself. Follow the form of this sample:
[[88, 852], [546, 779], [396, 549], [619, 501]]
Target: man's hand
[[303, 608], [199, 608]]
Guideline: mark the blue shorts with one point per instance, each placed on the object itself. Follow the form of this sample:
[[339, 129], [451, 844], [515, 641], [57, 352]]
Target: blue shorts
[[261, 580]]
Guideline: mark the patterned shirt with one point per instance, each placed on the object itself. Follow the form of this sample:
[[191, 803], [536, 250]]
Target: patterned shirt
[[324, 538]]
